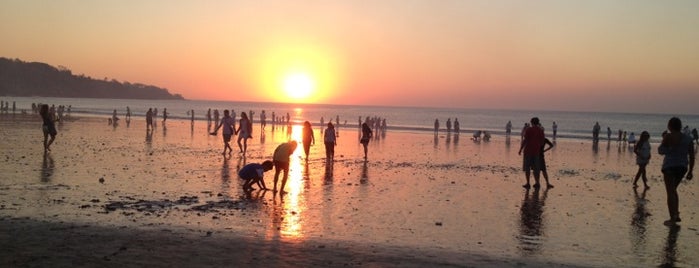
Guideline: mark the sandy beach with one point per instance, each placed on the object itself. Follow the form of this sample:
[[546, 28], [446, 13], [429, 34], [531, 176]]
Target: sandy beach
[[116, 196]]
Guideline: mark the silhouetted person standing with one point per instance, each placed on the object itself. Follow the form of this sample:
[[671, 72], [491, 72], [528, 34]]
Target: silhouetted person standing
[[531, 146], [244, 132], [366, 136], [642, 151], [48, 127], [149, 119], [678, 150], [330, 142], [308, 138]]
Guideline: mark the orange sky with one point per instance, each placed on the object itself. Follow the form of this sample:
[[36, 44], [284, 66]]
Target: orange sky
[[629, 56]]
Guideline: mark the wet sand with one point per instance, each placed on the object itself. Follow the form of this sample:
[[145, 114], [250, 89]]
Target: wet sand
[[117, 196]]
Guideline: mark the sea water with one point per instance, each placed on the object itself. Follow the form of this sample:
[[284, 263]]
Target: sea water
[[571, 124]]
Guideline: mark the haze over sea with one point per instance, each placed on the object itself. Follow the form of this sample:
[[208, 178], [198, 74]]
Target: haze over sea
[[571, 124]]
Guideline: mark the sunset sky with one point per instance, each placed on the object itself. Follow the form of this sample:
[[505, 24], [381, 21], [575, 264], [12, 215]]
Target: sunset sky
[[626, 56]]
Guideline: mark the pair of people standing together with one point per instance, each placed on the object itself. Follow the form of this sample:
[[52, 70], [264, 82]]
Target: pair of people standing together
[[244, 131], [533, 146]]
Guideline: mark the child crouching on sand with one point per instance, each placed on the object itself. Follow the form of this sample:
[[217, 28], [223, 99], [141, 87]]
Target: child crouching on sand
[[254, 173]]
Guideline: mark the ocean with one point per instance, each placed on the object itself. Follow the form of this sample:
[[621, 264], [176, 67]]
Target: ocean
[[571, 124]]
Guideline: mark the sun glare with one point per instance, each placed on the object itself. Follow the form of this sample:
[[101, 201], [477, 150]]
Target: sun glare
[[298, 72], [298, 86]]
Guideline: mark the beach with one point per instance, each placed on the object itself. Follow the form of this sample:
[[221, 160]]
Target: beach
[[120, 196]]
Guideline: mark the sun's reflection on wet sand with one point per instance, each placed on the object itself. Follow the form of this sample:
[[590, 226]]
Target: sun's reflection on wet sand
[[290, 208]]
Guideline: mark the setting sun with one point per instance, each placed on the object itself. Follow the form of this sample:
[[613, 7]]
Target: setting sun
[[298, 86], [298, 72]]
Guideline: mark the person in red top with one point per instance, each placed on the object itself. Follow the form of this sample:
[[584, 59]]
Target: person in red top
[[531, 146]]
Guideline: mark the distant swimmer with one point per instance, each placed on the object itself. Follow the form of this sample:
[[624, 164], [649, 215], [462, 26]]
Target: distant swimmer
[[554, 128]]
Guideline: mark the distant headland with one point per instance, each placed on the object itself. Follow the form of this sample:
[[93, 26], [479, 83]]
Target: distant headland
[[27, 79]]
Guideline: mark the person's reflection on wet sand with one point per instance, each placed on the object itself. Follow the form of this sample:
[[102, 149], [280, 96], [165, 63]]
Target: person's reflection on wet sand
[[329, 168], [456, 140], [531, 223], [638, 221], [255, 196], [365, 173], [225, 176], [436, 140], [448, 140], [306, 176], [149, 139], [507, 144], [47, 167], [669, 254], [595, 148]]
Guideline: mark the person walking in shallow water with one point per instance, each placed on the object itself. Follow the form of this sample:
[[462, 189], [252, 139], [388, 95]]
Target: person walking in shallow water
[[48, 127], [366, 136], [642, 151], [678, 150]]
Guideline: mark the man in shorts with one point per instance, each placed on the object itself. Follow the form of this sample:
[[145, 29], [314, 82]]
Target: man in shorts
[[531, 146]]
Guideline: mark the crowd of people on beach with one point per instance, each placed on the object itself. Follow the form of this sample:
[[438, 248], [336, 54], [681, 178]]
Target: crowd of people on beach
[[677, 145]]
